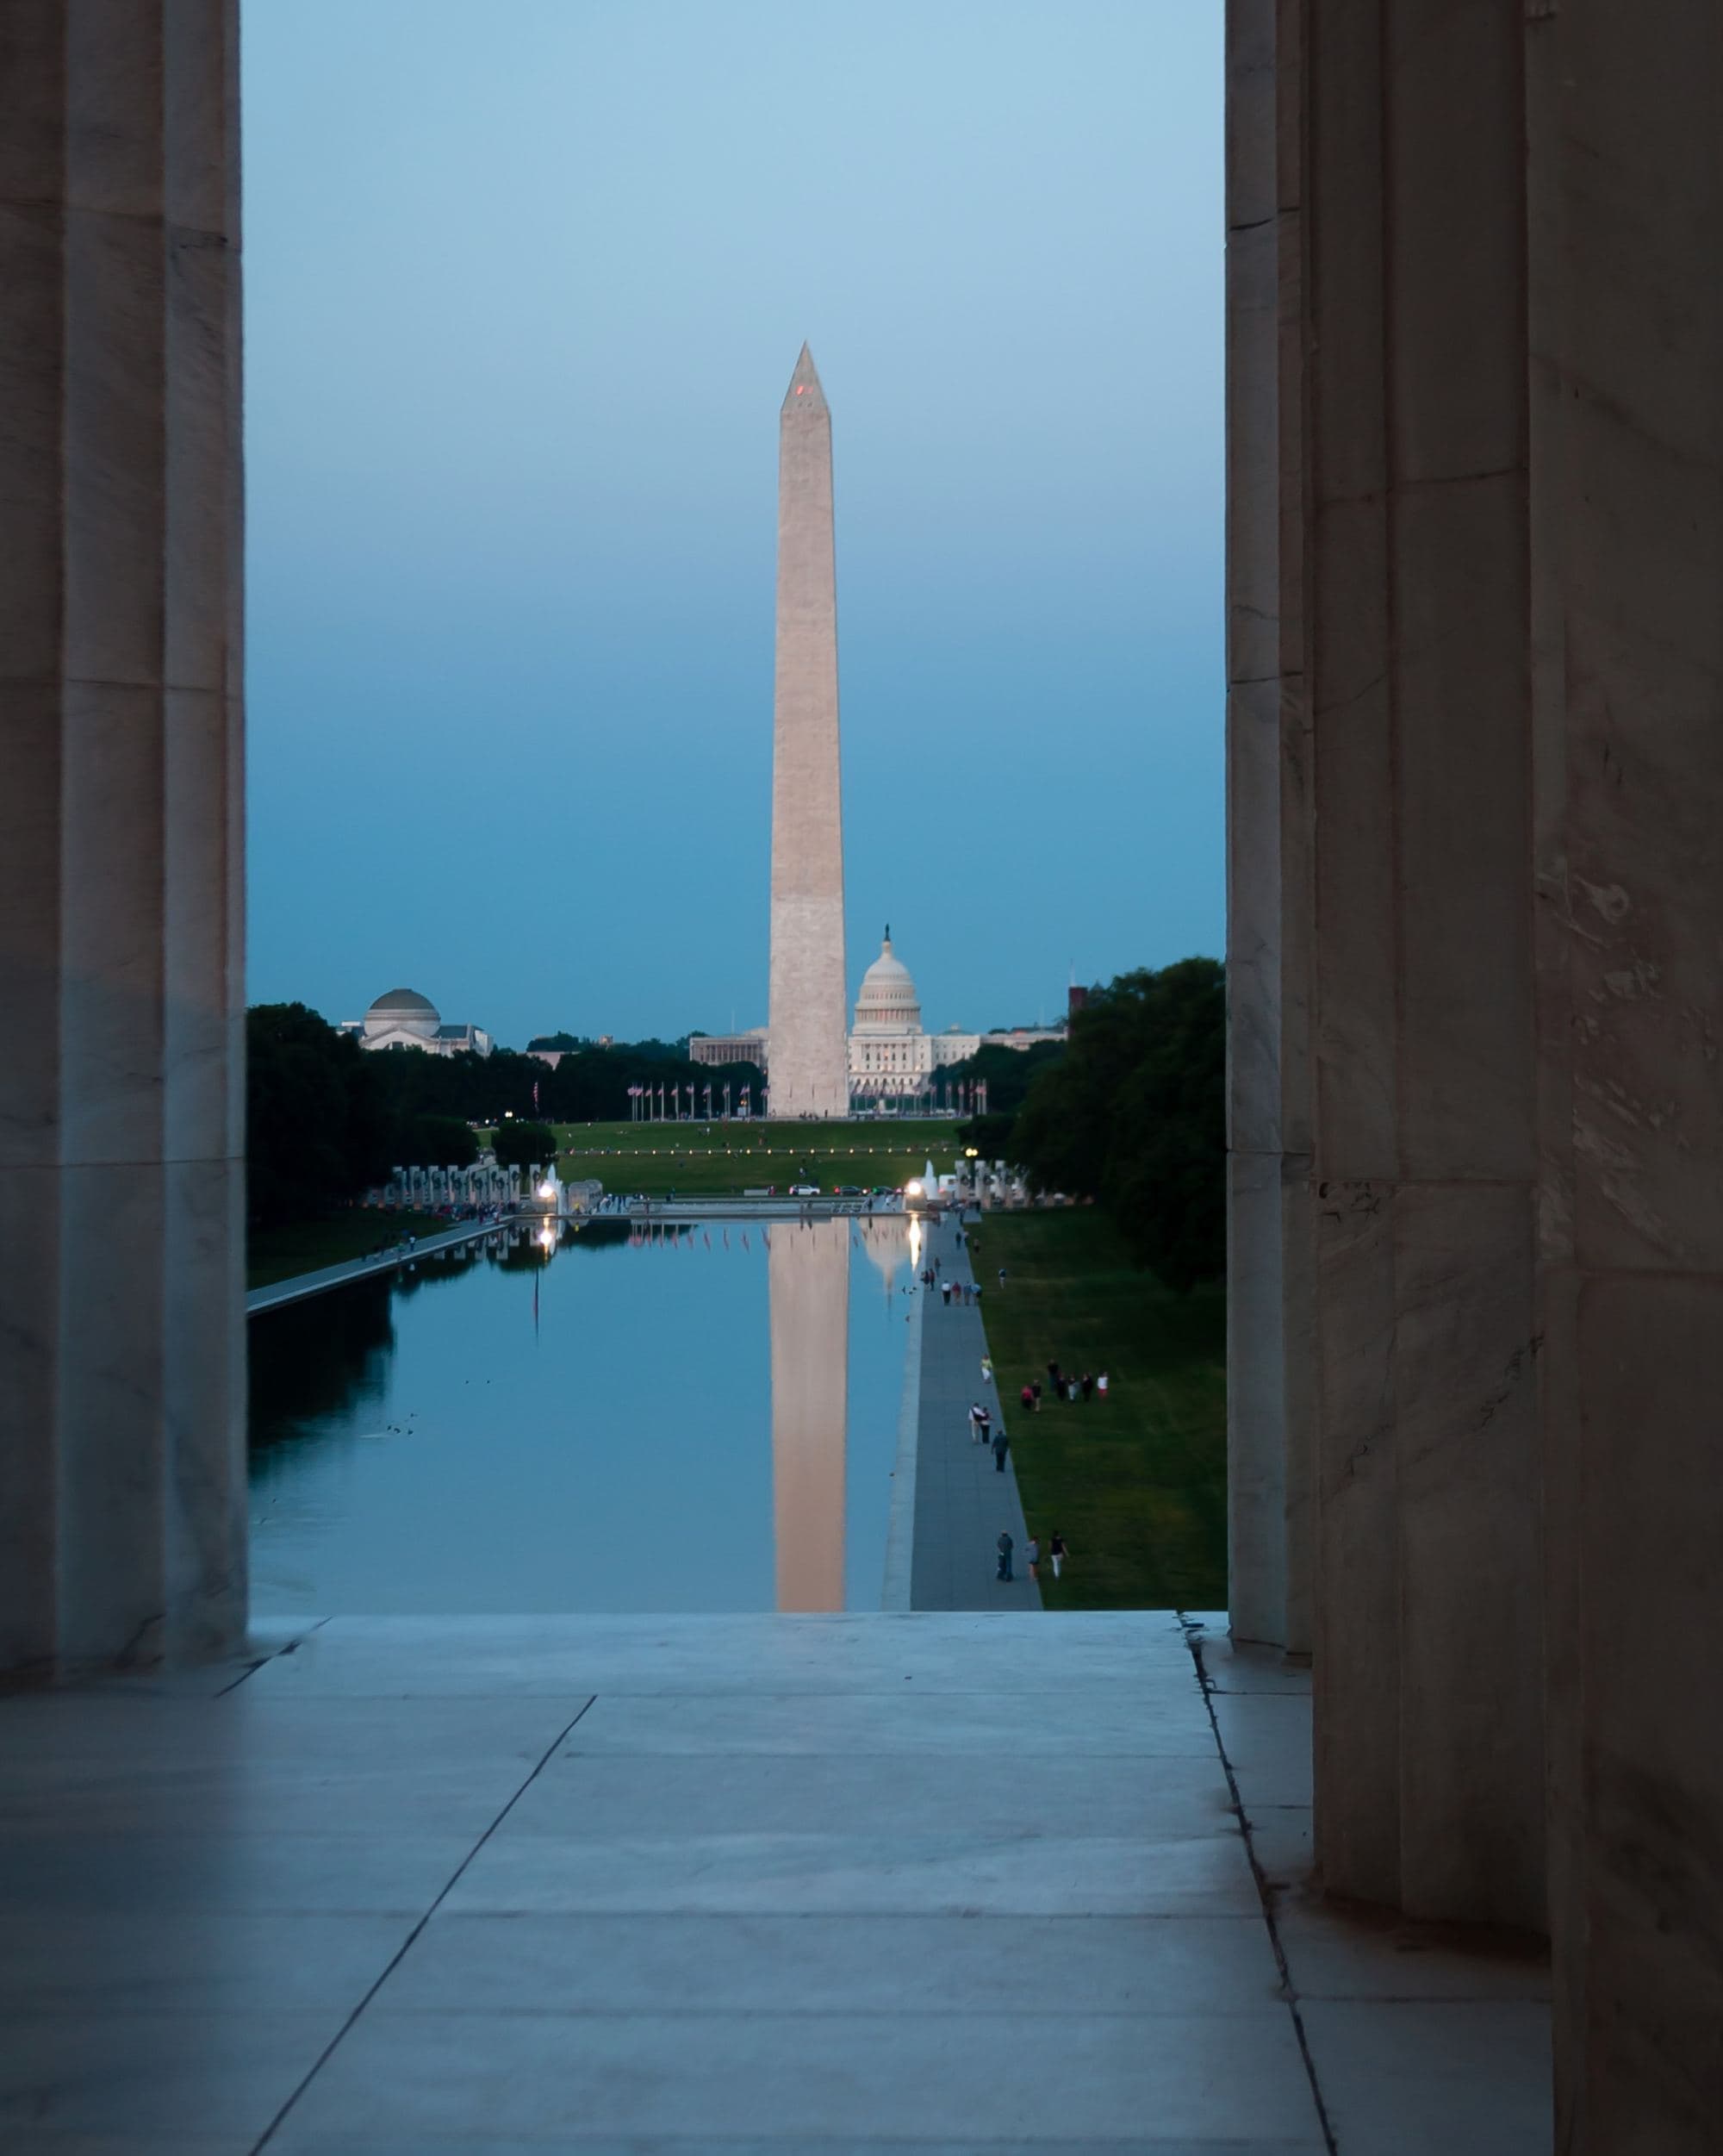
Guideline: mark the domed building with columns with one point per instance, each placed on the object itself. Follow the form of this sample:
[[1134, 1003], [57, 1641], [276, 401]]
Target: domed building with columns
[[402, 1018], [891, 1054]]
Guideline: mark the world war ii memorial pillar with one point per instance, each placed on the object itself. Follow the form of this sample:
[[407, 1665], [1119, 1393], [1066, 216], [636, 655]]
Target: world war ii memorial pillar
[[809, 1072]]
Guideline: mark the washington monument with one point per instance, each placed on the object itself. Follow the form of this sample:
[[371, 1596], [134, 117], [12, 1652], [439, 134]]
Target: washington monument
[[809, 1072]]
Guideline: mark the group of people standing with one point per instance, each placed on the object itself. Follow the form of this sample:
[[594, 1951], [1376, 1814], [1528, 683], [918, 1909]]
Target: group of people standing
[[1067, 1386], [1056, 1555], [967, 1294]]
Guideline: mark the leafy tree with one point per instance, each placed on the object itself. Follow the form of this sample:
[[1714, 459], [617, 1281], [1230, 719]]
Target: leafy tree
[[1135, 1116], [990, 1135], [328, 1119], [521, 1144], [439, 1141], [318, 1126], [1009, 1072]]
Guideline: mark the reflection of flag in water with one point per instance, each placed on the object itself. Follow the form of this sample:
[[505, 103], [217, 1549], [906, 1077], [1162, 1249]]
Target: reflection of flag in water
[[766, 1238], [706, 1238], [726, 1238], [744, 1238]]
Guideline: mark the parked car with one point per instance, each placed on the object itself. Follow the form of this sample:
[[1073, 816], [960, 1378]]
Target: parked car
[[804, 1190]]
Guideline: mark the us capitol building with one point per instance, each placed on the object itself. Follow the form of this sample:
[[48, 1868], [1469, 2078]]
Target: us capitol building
[[891, 1054]]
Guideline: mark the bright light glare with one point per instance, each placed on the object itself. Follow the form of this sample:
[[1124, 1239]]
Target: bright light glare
[[913, 1188]]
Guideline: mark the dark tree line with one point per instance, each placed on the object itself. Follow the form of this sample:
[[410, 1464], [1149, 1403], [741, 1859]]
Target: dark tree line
[[326, 1121], [1132, 1115]]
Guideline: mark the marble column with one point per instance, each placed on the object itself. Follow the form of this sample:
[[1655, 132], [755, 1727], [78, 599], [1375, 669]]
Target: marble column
[[122, 1523], [1429, 1665], [1269, 1255], [1626, 326]]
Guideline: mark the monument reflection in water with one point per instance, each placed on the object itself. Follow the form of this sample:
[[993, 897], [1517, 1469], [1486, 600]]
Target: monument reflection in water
[[695, 1418]]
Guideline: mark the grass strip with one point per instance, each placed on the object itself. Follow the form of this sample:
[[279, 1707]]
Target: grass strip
[[1136, 1483], [699, 1160], [307, 1246]]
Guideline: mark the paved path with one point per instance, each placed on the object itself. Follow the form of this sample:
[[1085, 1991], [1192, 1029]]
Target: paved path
[[961, 1501], [304, 1284], [866, 1886]]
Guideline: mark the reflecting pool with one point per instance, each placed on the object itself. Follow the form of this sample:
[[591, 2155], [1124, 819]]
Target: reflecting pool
[[693, 1418]]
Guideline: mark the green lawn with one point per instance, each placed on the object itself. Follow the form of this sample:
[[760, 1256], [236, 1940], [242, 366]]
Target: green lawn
[[715, 1159], [278, 1254], [1137, 1483]]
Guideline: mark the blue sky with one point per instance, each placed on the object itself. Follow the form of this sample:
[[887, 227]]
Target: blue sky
[[524, 284]]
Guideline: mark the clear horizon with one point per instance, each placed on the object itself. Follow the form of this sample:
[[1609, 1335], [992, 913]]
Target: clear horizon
[[523, 297]]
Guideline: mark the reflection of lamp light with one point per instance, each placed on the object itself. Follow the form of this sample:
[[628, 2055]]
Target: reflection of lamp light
[[547, 1237]]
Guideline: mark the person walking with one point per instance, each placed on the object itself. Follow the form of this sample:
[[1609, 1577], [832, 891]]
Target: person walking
[[975, 1423], [1032, 1557], [1055, 1550], [1035, 1388], [986, 1428], [945, 1294], [1026, 1399], [1004, 1546], [986, 1369], [1002, 1276], [1002, 1445], [1101, 1385], [1088, 1384]]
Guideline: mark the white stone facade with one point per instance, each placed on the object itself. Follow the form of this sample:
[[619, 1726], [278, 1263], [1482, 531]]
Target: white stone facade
[[890, 1054], [404, 1018]]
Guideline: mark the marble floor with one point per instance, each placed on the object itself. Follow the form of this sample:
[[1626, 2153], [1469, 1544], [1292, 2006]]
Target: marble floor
[[927, 1883]]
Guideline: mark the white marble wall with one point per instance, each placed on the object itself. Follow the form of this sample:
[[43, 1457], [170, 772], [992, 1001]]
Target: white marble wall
[[121, 1104]]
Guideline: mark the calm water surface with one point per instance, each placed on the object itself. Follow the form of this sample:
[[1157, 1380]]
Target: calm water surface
[[703, 1420]]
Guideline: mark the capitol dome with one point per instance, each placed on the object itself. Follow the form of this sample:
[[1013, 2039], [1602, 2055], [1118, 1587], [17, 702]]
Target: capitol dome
[[888, 1002], [403, 1010]]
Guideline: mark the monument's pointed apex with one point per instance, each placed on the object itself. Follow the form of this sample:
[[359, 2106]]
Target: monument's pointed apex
[[805, 388]]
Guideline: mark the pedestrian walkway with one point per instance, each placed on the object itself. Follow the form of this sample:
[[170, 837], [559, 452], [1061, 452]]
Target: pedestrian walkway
[[962, 1502], [701, 1885], [300, 1284]]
